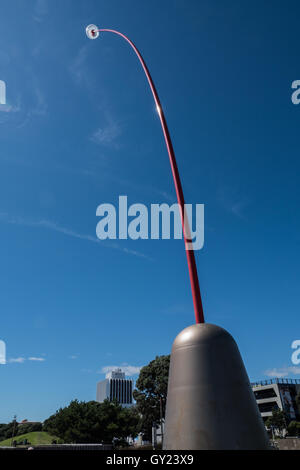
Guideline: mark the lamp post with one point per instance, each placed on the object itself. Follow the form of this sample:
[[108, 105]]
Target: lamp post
[[210, 403]]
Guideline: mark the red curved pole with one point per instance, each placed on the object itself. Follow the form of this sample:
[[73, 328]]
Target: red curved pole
[[198, 308]]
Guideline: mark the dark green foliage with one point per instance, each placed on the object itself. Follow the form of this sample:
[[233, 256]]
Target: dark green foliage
[[8, 430], [294, 428], [92, 422], [13, 429], [28, 427], [151, 393], [277, 420]]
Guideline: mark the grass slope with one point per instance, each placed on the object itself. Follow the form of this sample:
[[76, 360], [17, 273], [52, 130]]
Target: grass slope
[[35, 438]]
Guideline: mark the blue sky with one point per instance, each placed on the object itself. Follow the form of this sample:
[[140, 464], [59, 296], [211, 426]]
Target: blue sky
[[80, 128]]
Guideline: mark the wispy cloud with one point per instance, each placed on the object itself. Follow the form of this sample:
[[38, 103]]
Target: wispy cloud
[[108, 134], [40, 10], [9, 108], [20, 360], [231, 200], [69, 232], [37, 104], [165, 194], [282, 371], [74, 356], [101, 169], [237, 208], [38, 108], [128, 369], [78, 68]]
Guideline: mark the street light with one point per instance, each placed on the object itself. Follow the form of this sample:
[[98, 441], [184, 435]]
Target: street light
[[210, 403]]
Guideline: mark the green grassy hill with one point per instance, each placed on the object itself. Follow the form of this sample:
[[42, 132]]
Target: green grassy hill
[[34, 438]]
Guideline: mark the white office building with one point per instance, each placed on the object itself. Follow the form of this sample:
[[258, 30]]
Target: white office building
[[115, 386]]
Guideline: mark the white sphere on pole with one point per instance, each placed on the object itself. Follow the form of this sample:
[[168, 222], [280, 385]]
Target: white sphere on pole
[[92, 31]]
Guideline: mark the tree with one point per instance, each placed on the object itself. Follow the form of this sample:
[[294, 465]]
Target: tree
[[8, 430], [151, 393], [93, 422], [277, 420], [29, 427], [294, 428]]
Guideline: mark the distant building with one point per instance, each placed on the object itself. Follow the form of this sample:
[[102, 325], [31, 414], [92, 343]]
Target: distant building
[[277, 393], [115, 386], [25, 421]]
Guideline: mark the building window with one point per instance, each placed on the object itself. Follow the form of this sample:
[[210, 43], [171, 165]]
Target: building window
[[267, 407]]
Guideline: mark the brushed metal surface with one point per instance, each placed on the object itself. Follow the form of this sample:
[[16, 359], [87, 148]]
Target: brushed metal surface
[[210, 403]]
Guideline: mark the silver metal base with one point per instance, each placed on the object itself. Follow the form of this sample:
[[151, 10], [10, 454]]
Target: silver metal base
[[210, 403]]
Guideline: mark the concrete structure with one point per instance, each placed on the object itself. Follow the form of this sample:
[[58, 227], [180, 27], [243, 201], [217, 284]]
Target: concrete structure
[[210, 404], [115, 386], [277, 393], [289, 443]]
